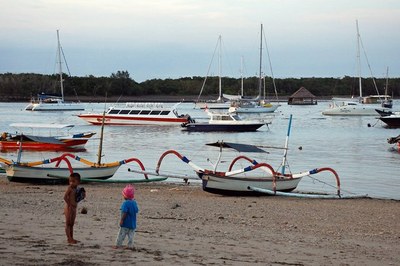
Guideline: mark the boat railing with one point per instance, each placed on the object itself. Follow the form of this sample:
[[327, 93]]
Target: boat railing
[[144, 105]]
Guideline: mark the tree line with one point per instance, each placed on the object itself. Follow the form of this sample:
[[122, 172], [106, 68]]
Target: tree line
[[21, 87]]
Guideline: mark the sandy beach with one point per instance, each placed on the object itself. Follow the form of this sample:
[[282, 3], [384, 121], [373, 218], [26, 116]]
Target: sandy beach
[[182, 225]]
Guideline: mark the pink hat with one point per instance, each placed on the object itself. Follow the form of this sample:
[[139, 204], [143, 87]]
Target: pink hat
[[128, 192]]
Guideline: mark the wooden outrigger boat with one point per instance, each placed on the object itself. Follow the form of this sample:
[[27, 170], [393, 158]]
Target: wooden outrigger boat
[[36, 172], [239, 182]]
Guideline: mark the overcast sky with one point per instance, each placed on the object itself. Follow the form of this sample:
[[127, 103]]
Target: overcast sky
[[176, 38]]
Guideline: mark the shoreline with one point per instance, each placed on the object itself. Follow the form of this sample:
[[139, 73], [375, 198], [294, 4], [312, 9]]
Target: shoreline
[[149, 98], [181, 225]]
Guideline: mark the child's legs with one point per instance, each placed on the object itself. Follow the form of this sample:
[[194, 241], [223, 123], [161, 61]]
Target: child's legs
[[70, 215], [67, 214], [131, 234], [121, 236]]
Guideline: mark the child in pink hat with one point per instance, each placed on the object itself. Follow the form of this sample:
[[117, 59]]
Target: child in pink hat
[[127, 223]]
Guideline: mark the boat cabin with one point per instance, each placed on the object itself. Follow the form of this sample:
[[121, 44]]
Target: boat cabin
[[138, 109]]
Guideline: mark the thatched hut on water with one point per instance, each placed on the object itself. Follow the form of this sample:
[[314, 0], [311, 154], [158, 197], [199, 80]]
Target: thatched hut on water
[[302, 97]]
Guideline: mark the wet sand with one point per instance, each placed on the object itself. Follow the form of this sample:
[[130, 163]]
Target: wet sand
[[182, 225]]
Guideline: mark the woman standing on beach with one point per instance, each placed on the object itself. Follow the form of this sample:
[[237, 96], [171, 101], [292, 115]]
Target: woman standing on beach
[[127, 223], [72, 196]]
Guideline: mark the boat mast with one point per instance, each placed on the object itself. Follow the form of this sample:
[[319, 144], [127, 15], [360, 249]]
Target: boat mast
[[219, 70], [359, 61], [60, 66], [260, 77], [100, 151], [387, 83], [241, 76]]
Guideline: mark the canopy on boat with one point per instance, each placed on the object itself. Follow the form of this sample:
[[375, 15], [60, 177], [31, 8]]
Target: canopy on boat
[[41, 125], [237, 146], [24, 138]]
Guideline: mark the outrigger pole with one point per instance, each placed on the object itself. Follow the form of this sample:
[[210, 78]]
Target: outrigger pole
[[286, 146]]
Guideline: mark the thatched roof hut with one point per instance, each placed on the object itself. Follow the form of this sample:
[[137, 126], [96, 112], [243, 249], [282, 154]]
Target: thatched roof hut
[[302, 97]]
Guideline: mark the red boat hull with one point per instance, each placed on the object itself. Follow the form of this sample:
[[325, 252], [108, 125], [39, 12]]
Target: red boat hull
[[64, 145]]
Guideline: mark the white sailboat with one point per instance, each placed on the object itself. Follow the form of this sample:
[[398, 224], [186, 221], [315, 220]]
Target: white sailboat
[[220, 103], [361, 106], [55, 103], [256, 105]]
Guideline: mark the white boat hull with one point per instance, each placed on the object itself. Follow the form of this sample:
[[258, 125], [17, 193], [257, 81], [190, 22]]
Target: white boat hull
[[254, 110], [213, 105], [59, 106], [129, 120], [239, 185], [351, 110], [28, 174]]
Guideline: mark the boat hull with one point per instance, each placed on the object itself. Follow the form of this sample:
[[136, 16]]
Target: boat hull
[[239, 185], [62, 144], [62, 106], [206, 127], [351, 110], [69, 144], [96, 119], [392, 121], [254, 110], [213, 105], [48, 175]]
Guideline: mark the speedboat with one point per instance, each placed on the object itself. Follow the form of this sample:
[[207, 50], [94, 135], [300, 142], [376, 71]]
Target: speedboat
[[350, 108], [223, 122], [392, 120]]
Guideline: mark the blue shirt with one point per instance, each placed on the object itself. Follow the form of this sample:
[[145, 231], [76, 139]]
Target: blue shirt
[[131, 208]]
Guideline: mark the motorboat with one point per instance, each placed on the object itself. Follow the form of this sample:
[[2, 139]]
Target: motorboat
[[392, 120], [15, 141], [137, 114], [223, 122], [342, 107]]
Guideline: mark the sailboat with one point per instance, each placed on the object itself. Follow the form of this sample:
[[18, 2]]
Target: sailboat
[[256, 105], [46, 102], [361, 106], [387, 102], [220, 103]]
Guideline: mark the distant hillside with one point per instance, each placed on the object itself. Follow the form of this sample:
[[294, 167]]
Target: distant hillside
[[21, 87]]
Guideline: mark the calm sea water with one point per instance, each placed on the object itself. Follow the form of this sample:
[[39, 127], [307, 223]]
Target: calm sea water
[[364, 160]]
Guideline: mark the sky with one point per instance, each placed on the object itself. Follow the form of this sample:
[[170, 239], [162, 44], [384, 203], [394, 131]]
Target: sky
[[176, 38]]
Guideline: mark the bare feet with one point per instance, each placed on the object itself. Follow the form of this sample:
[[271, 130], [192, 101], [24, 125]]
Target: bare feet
[[72, 241]]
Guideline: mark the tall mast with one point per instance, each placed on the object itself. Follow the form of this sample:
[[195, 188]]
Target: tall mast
[[387, 83], [359, 61], [260, 73], [241, 76], [60, 66], [219, 70]]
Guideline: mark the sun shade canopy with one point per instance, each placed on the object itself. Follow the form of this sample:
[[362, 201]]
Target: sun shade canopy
[[237, 146]]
